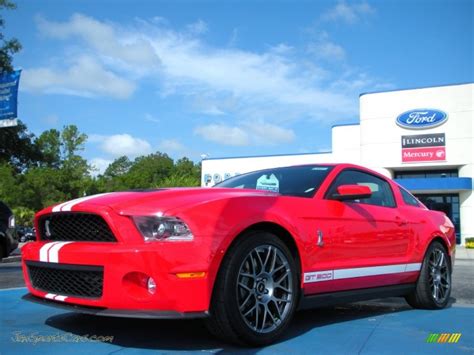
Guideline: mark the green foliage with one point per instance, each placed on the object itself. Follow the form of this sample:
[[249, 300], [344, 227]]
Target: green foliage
[[38, 172], [18, 148], [8, 47], [24, 216]]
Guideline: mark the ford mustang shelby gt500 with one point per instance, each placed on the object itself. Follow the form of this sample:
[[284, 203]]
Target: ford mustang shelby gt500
[[245, 254]]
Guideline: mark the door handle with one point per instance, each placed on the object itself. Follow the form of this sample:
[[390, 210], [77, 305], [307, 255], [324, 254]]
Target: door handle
[[400, 221]]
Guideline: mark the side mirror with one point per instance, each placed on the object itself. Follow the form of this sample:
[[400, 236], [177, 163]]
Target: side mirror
[[352, 192]]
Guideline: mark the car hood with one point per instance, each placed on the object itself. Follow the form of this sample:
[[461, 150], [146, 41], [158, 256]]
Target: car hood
[[160, 200]]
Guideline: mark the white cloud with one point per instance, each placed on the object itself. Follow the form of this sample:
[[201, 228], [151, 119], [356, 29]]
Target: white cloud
[[348, 13], [171, 145], [149, 117], [197, 28], [248, 133], [127, 47], [86, 77], [327, 50], [263, 133], [277, 83], [99, 165], [223, 134], [121, 144]]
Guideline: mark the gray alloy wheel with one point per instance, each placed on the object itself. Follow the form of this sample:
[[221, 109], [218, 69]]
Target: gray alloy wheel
[[433, 287], [264, 288], [439, 276], [256, 290]]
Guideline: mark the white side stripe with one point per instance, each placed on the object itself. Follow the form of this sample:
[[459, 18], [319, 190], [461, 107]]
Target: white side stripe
[[50, 296], [368, 271], [413, 267], [328, 275], [44, 251], [53, 254], [60, 298]]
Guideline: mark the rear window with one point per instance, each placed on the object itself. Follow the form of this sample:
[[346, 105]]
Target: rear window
[[409, 199]]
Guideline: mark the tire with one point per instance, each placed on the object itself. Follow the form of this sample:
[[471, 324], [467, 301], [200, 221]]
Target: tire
[[253, 305], [2, 252], [433, 287]]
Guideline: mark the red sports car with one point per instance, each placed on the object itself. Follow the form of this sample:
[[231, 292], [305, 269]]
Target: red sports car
[[244, 255]]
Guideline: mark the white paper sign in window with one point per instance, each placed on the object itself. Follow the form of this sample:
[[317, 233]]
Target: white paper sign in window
[[268, 183]]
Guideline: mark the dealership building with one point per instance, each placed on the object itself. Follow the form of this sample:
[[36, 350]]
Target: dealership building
[[423, 138]]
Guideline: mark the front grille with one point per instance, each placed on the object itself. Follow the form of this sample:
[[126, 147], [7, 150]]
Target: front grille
[[67, 279], [75, 226]]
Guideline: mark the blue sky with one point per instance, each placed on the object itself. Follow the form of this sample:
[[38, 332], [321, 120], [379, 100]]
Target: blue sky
[[226, 78]]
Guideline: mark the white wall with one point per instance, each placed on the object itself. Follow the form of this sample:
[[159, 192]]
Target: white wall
[[381, 136]]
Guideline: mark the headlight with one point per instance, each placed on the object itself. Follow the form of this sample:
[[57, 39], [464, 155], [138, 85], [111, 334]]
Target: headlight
[[162, 228]]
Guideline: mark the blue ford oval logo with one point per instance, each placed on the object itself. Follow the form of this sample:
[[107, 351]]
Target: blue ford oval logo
[[421, 118]]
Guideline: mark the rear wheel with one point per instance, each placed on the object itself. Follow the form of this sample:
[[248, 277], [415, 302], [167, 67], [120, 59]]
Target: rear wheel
[[434, 283], [256, 291]]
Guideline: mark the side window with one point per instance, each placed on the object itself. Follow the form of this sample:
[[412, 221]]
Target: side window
[[408, 198], [382, 194]]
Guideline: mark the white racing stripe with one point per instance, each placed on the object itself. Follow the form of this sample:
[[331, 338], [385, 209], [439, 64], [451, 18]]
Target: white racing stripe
[[52, 296], [44, 251], [53, 254], [67, 206], [58, 207], [329, 275]]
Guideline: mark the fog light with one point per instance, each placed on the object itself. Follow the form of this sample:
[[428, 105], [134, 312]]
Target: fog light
[[151, 286]]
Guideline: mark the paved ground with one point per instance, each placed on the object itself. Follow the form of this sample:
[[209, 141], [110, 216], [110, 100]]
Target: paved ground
[[387, 326]]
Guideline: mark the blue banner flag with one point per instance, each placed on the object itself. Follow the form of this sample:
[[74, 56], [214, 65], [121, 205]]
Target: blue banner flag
[[8, 98]]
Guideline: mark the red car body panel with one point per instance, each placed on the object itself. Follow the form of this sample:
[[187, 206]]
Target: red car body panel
[[364, 245]]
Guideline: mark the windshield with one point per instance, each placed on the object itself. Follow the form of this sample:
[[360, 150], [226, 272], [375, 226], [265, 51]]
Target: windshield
[[301, 181]]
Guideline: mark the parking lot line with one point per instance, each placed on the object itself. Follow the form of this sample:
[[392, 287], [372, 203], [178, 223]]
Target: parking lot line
[[386, 327]]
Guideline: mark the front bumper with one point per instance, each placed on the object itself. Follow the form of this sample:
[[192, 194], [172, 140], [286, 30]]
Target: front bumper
[[98, 311], [174, 297]]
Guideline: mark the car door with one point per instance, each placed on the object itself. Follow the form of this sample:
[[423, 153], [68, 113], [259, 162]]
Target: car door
[[367, 238]]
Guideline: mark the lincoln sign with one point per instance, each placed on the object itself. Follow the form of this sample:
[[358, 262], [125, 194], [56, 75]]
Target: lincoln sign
[[423, 147]]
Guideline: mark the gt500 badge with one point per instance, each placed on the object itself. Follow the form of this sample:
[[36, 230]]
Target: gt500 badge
[[318, 276]]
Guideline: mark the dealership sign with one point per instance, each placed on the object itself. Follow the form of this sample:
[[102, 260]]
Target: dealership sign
[[8, 98], [423, 147], [421, 118]]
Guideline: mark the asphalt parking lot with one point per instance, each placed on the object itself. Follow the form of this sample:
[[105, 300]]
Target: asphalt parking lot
[[387, 326]]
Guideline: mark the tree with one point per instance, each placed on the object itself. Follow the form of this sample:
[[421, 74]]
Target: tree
[[49, 143], [149, 171], [118, 167], [10, 46], [17, 147], [72, 141]]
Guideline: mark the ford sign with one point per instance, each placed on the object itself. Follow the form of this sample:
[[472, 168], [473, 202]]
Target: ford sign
[[421, 118]]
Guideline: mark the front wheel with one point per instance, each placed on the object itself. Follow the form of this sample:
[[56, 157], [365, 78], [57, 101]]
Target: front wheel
[[434, 283], [256, 291]]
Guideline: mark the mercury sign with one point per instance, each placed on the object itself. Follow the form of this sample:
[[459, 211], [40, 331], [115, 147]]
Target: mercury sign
[[423, 148], [421, 118]]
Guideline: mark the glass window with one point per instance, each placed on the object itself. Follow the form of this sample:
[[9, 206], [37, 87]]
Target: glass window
[[408, 198], [301, 181], [382, 194], [425, 174]]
